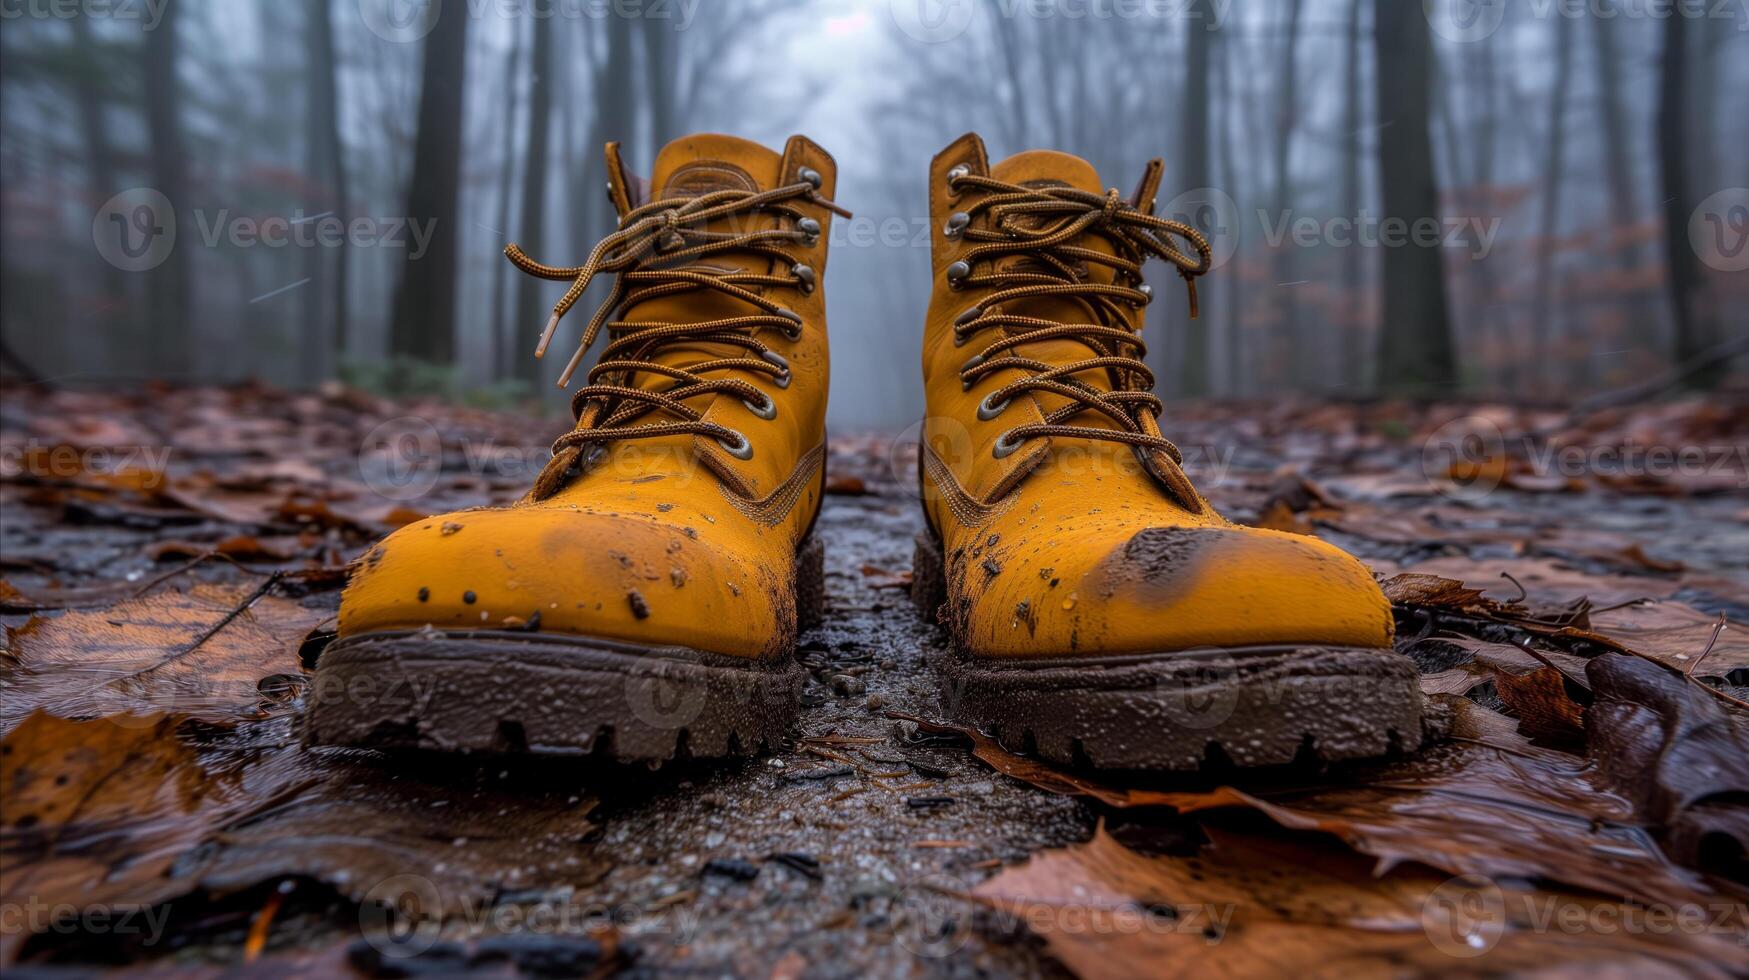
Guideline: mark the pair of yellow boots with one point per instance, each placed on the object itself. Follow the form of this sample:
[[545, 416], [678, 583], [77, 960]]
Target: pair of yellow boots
[[642, 601]]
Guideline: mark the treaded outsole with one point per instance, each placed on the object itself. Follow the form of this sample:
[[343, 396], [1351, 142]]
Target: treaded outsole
[[508, 693], [1205, 709]]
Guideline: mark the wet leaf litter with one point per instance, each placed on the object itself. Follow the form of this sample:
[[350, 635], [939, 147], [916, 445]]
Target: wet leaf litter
[[161, 622]]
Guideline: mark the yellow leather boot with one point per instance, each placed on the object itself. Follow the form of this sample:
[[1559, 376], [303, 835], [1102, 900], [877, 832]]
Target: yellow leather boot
[[642, 601], [1101, 612]]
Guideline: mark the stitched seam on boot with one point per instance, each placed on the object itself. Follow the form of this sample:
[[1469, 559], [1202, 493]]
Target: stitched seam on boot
[[771, 510]]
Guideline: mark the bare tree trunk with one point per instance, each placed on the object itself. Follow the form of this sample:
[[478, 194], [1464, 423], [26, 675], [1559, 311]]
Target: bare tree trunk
[[501, 353], [324, 328], [1352, 342], [1285, 357], [99, 158], [661, 56], [531, 228], [1415, 344], [168, 286], [424, 322], [1694, 331], [1543, 332], [1193, 149]]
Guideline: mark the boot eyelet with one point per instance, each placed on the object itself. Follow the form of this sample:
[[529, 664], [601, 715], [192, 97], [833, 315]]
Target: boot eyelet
[[810, 230], [804, 273], [957, 273], [809, 176], [988, 411], [955, 173], [794, 330], [767, 411], [965, 383], [1005, 445], [956, 224], [773, 357], [968, 316], [739, 450], [1146, 290]]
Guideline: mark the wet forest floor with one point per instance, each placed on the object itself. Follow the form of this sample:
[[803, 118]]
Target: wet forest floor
[[1572, 587]]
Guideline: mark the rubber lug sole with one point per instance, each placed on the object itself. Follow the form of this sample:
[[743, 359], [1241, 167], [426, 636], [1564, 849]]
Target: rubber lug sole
[[1205, 709], [507, 693], [502, 692]]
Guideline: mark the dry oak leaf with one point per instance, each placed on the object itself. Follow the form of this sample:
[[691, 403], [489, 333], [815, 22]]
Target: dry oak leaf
[[199, 653], [1248, 906]]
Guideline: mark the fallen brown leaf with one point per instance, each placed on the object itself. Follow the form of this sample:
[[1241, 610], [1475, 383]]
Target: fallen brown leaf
[[199, 653]]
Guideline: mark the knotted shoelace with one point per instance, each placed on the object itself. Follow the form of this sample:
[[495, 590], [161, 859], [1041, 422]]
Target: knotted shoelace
[[1048, 225], [648, 256]]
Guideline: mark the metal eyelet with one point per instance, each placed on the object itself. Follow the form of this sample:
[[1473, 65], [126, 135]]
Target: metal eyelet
[[609, 188], [773, 357], [988, 411], [956, 224], [1146, 290], [1006, 444], [809, 176], [805, 273], [955, 173], [739, 450], [794, 330], [956, 274], [810, 230], [976, 359], [767, 411]]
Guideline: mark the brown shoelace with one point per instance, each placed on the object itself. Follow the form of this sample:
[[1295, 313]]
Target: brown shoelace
[[1054, 221], [648, 255]]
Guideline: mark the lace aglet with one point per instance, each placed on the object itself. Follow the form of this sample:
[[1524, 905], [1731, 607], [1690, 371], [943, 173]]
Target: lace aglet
[[546, 336], [571, 367], [1195, 307]]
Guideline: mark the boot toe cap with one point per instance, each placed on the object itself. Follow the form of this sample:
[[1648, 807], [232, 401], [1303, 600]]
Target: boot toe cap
[[627, 578]]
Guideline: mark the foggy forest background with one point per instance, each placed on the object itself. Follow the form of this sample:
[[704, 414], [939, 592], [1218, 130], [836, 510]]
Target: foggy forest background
[[1575, 159]]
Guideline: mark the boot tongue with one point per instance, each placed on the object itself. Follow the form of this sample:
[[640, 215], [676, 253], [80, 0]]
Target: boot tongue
[[1037, 167], [695, 165]]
